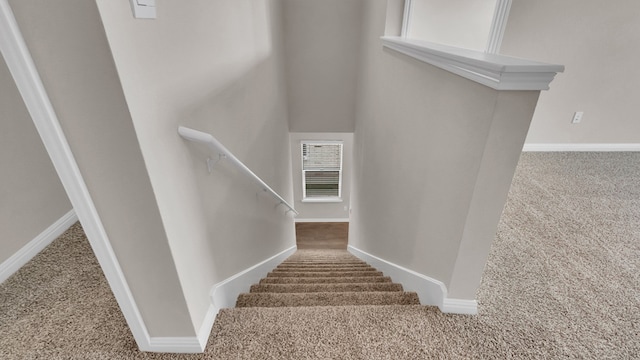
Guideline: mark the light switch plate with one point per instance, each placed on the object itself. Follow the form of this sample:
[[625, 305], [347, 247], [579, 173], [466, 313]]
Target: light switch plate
[[143, 9]]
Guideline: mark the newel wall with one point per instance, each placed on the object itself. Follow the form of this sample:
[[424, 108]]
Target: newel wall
[[434, 154]]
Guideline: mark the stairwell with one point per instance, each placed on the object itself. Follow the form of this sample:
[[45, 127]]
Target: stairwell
[[318, 304]]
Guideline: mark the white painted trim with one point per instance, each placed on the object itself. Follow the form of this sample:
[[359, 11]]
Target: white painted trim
[[187, 344], [459, 306], [498, 26], [405, 18], [225, 293], [430, 291], [581, 147], [25, 74], [495, 71], [33, 247], [317, 220]]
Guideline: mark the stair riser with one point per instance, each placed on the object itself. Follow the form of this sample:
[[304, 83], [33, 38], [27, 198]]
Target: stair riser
[[315, 288], [325, 274], [350, 269], [327, 299], [319, 266], [325, 280]]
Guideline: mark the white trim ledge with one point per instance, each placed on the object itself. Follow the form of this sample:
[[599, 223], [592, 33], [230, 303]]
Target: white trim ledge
[[580, 147], [495, 71], [430, 291], [33, 247]]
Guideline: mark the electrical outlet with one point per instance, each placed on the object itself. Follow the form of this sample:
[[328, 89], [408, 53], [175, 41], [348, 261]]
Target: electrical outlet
[[577, 117]]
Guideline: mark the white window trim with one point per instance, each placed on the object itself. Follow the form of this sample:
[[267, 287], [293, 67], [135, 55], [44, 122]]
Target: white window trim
[[323, 199], [498, 25]]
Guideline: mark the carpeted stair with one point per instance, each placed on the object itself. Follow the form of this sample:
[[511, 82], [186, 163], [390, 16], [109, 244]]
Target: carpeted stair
[[325, 278], [321, 304]]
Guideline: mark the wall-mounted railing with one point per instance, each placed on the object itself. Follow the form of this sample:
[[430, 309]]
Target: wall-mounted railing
[[224, 154]]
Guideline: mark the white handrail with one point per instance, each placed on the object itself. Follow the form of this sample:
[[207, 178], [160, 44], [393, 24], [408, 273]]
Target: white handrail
[[224, 153]]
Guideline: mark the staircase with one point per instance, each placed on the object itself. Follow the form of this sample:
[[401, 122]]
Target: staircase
[[325, 278], [313, 305]]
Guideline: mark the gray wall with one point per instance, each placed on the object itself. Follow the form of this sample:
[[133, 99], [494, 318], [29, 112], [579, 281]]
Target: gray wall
[[599, 43], [307, 210], [444, 150], [31, 195], [322, 41], [215, 66], [70, 50]]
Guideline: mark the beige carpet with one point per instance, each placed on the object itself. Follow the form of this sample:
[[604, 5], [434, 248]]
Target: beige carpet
[[563, 281]]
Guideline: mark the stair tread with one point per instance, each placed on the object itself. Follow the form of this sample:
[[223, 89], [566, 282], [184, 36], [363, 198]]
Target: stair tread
[[329, 280], [310, 288], [305, 269], [327, 299], [323, 274], [316, 266]]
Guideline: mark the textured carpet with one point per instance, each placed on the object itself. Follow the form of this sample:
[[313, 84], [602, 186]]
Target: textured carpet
[[283, 291], [562, 281]]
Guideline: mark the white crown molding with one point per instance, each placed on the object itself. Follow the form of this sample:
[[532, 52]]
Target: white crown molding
[[225, 293], [581, 147], [495, 71], [33, 247], [25, 74], [430, 291]]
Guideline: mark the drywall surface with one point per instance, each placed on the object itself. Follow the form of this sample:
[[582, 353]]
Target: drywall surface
[[31, 195], [599, 45], [459, 23], [215, 66], [307, 210], [434, 155], [322, 42], [70, 50]]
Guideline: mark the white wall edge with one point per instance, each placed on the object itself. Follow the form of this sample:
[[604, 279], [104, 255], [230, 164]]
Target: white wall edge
[[430, 291], [581, 147], [27, 78], [493, 70], [322, 220], [460, 306], [225, 293], [33, 247]]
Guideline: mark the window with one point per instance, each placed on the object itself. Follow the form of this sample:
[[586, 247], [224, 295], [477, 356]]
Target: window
[[321, 171], [478, 25]]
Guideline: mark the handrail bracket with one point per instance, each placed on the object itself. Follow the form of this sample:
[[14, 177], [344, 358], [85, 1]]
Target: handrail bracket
[[211, 163]]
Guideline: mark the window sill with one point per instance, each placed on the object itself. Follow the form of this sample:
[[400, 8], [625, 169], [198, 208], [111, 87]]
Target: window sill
[[495, 71], [322, 200]]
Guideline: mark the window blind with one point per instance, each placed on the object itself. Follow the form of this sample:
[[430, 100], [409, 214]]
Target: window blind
[[322, 167]]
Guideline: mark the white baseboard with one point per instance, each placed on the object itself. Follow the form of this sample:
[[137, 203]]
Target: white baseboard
[[225, 293], [187, 344], [580, 147], [429, 290], [459, 306], [323, 220], [33, 247]]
